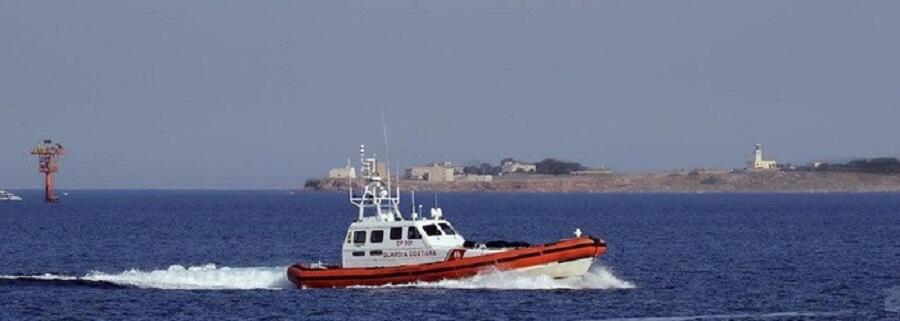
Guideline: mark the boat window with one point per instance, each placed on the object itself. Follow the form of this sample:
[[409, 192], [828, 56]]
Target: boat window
[[413, 233], [396, 233], [359, 237], [447, 229], [377, 236], [349, 237], [431, 230], [375, 253], [359, 253]]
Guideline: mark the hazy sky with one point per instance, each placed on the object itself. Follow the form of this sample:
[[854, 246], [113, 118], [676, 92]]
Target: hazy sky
[[264, 94]]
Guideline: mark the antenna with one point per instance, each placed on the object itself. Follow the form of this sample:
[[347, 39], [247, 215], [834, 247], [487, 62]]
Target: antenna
[[433, 189], [362, 154], [350, 184], [413, 196], [387, 157]]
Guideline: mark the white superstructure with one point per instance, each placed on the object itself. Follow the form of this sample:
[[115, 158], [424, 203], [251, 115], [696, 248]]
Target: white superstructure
[[380, 236]]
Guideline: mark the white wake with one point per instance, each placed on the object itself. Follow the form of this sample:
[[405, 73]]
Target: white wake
[[206, 277], [212, 277], [177, 277], [599, 277]]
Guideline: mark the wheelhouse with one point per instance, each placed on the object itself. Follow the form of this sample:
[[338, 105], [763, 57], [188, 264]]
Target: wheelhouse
[[381, 236]]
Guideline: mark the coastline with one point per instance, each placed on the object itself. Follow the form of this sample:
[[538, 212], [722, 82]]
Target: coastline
[[659, 182]]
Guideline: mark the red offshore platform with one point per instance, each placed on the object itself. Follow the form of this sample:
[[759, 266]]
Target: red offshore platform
[[48, 154]]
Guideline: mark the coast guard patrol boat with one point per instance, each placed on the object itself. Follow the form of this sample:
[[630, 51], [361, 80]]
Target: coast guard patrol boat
[[384, 247]]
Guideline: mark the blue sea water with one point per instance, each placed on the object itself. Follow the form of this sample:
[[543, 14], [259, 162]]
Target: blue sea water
[[197, 255]]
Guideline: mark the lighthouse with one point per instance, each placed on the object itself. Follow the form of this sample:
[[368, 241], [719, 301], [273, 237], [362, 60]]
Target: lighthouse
[[758, 162], [757, 152]]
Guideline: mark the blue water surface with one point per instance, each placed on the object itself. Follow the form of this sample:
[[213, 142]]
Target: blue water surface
[[689, 256]]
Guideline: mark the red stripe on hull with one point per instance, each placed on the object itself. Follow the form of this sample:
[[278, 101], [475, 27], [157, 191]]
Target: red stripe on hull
[[561, 251]]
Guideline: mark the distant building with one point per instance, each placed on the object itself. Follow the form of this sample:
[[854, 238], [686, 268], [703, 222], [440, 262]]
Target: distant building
[[515, 166], [417, 173], [434, 172], [342, 172], [758, 163]]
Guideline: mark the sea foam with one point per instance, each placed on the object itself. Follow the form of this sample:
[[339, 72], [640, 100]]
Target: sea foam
[[599, 277], [177, 277], [206, 277], [212, 277]]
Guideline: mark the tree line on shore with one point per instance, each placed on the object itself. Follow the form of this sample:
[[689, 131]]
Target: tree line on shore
[[548, 166], [880, 165]]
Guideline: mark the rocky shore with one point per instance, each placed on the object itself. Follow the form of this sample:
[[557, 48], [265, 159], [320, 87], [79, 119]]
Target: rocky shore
[[661, 182]]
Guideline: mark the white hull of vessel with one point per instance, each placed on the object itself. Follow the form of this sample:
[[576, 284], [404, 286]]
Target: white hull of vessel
[[558, 270]]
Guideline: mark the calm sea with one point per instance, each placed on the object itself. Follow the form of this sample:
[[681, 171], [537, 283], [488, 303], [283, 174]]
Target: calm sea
[[195, 255]]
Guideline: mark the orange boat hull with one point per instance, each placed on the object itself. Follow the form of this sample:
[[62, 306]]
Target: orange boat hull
[[452, 268]]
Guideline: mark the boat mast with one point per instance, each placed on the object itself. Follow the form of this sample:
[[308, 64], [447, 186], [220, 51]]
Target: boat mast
[[375, 195]]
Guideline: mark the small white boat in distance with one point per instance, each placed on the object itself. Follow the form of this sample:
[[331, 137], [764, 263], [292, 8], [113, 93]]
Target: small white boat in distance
[[8, 196]]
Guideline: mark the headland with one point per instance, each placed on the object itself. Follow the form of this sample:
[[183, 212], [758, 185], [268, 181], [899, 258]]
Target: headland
[[696, 181]]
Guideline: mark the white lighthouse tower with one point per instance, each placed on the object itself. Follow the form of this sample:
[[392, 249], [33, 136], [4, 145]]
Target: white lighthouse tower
[[757, 151], [758, 163]]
